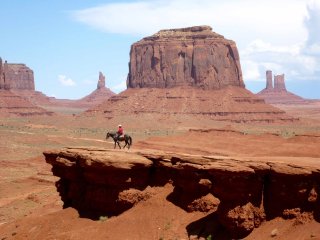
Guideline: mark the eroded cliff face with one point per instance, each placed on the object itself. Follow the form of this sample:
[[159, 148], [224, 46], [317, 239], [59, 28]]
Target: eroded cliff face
[[193, 56], [16, 76], [238, 193]]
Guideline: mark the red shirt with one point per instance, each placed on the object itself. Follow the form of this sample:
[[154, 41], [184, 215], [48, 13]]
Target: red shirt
[[120, 131]]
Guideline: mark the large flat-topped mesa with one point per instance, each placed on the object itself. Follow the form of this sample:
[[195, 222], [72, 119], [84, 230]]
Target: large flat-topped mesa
[[16, 76], [193, 56]]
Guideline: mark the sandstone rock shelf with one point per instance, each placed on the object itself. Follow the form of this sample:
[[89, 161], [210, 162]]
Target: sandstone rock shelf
[[240, 192]]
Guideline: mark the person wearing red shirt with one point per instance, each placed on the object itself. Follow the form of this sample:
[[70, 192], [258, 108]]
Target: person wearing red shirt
[[120, 131]]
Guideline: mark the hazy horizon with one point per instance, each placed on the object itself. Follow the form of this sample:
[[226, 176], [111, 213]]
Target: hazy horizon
[[67, 43]]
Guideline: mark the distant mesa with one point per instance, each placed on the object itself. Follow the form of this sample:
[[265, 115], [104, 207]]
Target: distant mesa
[[16, 76], [14, 79], [276, 91], [193, 56]]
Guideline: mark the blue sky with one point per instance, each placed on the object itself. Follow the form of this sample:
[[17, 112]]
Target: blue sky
[[67, 43]]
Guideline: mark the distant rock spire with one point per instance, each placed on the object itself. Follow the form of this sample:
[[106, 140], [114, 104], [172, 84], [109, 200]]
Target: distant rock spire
[[1, 75], [269, 84], [279, 83], [102, 81]]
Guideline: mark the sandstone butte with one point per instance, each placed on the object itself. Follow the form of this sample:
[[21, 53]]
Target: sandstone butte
[[240, 193], [16, 76], [193, 56], [276, 92], [187, 73]]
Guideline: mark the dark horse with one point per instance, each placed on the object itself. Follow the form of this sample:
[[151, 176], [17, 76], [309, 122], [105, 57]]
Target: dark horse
[[126, 138]]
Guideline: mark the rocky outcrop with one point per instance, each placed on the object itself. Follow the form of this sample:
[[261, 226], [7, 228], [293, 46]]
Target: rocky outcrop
[[101, 81], [17, 91], [279, 84], [101, 94], [193, 56], [277, 92], [16, 76], [269, 84], [239, 193], [187, 73]]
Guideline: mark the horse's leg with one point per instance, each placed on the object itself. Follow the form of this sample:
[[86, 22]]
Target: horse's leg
[[115, 144], [129, 142], [126, 143], [119, 144]]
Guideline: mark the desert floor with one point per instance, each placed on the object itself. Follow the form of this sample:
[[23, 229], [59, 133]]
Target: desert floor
[[31, 206]]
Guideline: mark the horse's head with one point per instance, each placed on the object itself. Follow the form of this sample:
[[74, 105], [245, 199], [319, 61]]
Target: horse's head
[[108, 135]]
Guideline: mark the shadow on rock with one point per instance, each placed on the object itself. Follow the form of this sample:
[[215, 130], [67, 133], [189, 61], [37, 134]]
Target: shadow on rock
[[208, 227]]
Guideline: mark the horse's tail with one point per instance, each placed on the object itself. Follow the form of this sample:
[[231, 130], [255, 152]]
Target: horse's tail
[[130, 140]]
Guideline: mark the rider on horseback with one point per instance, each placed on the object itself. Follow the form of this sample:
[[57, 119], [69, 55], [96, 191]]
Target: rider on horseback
[[119, 132]]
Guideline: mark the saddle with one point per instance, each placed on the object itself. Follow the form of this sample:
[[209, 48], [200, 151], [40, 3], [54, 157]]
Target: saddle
[[121, 138]]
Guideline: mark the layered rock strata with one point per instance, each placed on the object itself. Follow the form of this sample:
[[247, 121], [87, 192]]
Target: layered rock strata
[[229, 104], [15, 105], [193, 56], [239, 193], [16, 76]]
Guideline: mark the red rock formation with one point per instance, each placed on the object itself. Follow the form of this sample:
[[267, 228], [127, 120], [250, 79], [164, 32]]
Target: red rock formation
[[279, 84], [16, 76], [278, 93], [98, 96], [65, 105], [1, 75], [239, 193], [193, 56], [101, 81], [190, 72], [269, 84]]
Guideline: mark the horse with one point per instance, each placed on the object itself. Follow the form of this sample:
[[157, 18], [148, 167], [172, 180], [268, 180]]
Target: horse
[[125, 137]]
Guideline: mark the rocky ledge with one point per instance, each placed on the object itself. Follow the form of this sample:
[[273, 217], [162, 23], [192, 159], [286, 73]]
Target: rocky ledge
[[240, 193]]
